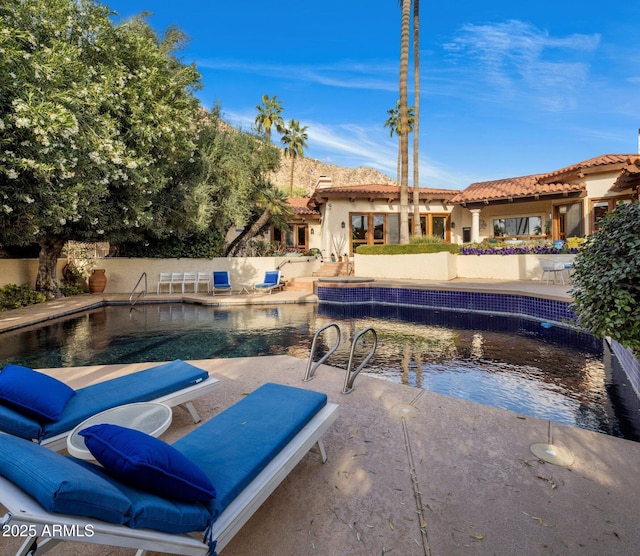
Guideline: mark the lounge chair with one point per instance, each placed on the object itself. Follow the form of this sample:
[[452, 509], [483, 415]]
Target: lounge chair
[[177, 279], [246, 451], [189, 279], [204, 280], [221, 282], [553, 268], [271, 282], [164, 280], [174, 383]]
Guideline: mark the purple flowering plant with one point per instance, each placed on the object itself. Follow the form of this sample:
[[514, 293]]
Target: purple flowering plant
[[520, 249]]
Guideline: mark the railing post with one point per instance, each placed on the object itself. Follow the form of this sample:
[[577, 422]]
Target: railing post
[[143, 293], [310, 372], [351, 375]]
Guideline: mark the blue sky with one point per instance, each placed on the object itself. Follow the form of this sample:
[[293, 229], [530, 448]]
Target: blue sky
[[508, 88]]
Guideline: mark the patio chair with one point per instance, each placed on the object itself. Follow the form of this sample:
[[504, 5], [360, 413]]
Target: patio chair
[[176, 280], [221, 282], [271, 282], [553, 268], [189, 279], [164, 280], [174, 383], [244, 453], [203, 279]]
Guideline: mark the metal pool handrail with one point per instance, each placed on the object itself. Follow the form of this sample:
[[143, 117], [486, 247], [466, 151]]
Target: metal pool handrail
[[309, 374], [351, 375], [142, 293]]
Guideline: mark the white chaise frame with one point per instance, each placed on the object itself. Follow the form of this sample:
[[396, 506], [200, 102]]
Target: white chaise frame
[[27, 515], [182, 397]]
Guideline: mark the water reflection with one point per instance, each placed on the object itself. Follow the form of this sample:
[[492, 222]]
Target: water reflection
[[509, 363]]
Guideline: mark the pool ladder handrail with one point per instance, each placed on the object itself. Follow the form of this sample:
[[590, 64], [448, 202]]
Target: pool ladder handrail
[[350, 375], [311, 370], [142, 293]]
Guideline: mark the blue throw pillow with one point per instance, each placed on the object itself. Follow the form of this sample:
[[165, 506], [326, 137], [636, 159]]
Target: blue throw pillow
[[148, 463], [34, 394]]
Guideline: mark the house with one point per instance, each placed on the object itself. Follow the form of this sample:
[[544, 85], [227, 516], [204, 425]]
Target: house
[[556, 205], [304, 224], [560, 204]]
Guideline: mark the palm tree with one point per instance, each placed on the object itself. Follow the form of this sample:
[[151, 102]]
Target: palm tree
[[404, 126], [269, 115], [271, 208], [295, 140], [417, 230], [393, 123]]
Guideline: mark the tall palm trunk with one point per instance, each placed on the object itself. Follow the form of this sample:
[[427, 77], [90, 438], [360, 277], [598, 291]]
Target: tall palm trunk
[[417, 230], [404, 124]]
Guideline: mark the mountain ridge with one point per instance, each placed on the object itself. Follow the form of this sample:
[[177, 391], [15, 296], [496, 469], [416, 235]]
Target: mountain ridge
[[307, 171]]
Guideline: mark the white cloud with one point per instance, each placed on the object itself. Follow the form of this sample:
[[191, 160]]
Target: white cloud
[[523, 62], [372, 75]]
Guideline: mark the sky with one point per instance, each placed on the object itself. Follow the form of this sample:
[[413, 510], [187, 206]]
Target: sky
[[507, 88]]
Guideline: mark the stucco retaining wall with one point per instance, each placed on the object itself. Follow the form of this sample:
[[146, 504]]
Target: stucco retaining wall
[[123, 273], [445, 266], [432, 266], [23, 271]]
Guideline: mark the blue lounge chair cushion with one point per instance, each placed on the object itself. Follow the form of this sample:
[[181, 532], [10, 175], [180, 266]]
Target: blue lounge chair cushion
[[221, 280], [236, 445], [58, 483], [18, 424], [149, 511], [142, 386], [270, 279], [34, 394], [147, 463]]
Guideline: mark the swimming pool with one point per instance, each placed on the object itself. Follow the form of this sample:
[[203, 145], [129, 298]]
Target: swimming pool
[[511, 363]]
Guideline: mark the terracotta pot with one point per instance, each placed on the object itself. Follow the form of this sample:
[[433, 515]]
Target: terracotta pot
[[97, 281]]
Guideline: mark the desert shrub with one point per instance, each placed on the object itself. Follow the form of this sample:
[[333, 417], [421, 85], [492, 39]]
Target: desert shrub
[[606, 279], [13, 297], [71, 289]]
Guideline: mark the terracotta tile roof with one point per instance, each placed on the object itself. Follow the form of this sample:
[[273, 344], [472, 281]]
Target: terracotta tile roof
[[565, 180], [605, 162], [378, 191], [629, 177], [300, 206], [513, 188]]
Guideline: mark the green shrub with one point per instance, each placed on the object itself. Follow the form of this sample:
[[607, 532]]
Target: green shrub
[[415, 240], [606, 279], [71, 289], [411, 249], [197, 246], [13, 297]]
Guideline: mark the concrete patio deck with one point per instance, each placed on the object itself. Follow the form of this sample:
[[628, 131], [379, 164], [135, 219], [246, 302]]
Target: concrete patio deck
[[412, 472]]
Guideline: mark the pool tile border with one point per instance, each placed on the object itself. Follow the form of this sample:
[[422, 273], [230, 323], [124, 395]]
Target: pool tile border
[[537, 308]]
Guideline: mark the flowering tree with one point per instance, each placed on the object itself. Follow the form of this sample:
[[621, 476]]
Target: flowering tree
[[96, 128], [606, 279]]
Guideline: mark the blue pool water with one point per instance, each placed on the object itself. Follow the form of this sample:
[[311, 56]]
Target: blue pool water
[[511, 363]]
